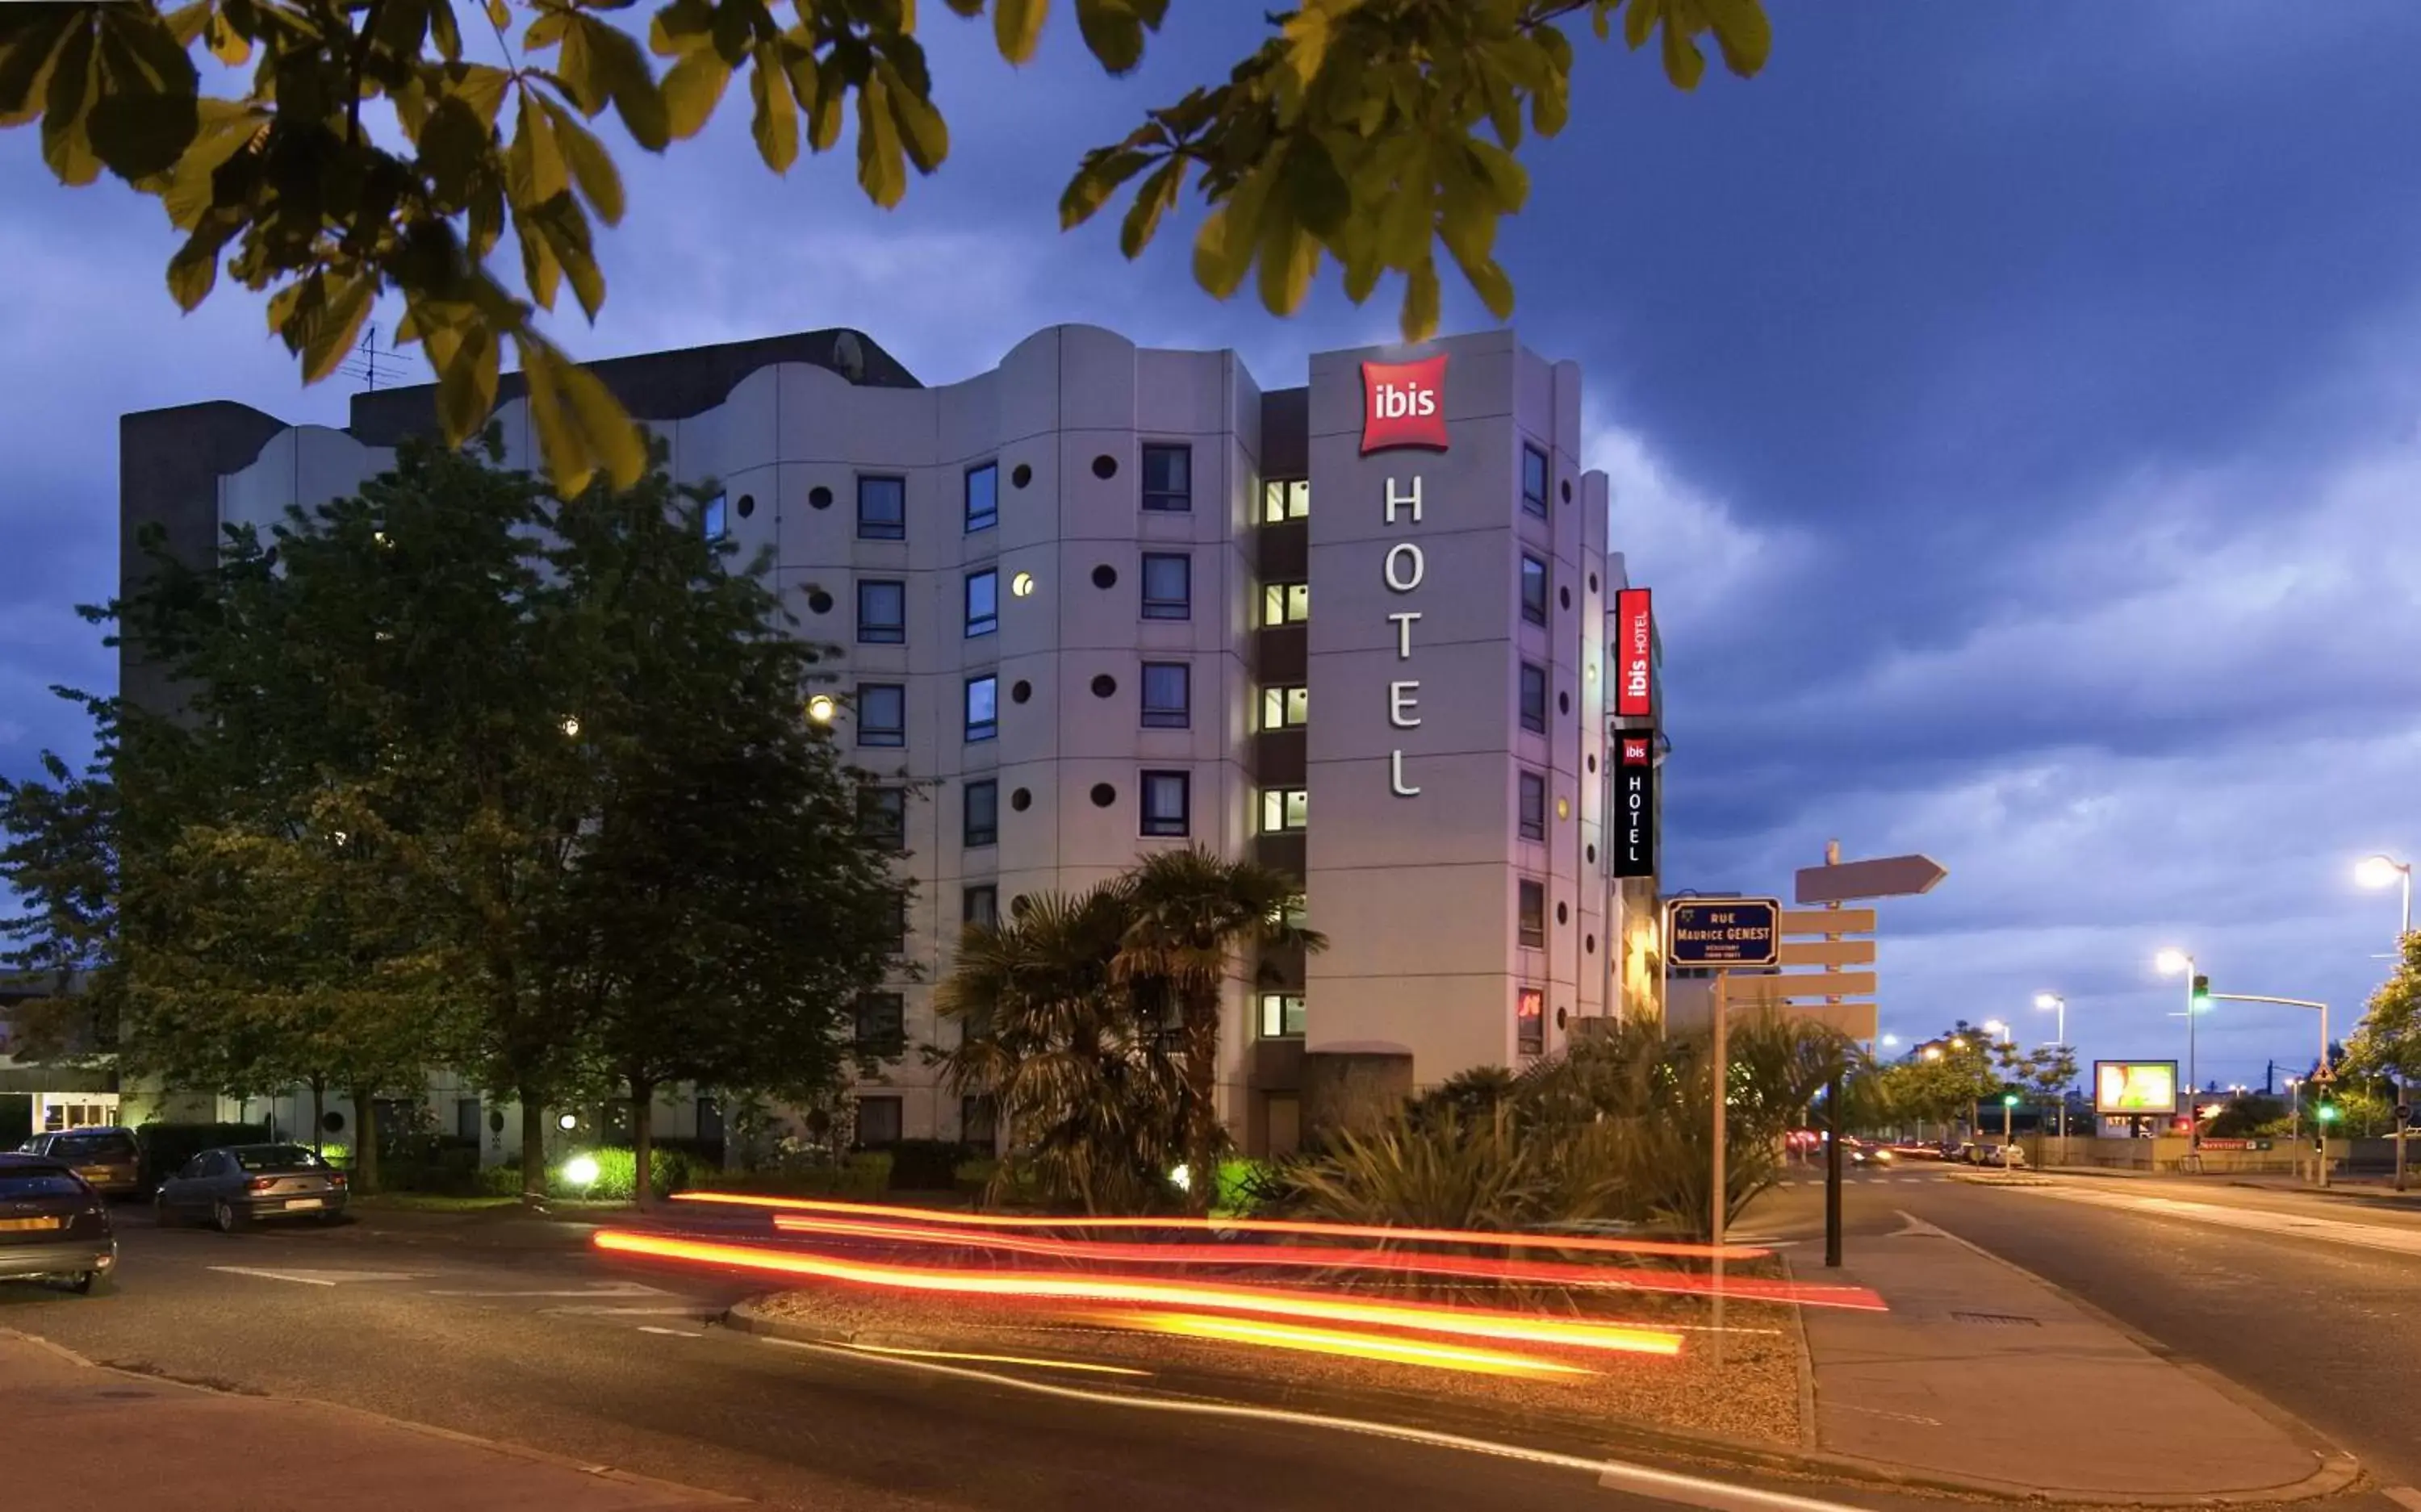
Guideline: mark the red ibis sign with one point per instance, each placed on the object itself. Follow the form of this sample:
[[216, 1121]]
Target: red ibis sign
[[1403, 404]]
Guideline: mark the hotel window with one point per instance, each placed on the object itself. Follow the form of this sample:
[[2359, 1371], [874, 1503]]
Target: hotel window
[[1167, 585], [713, 518], [1285, 707], [1533, 915], [1534, 806], [880, 1025], [1533, 480], [1167, 803], [1168, 478], [1533, 698], [1286, 603], [1283, 499], [882, 815], [881, 713], [882, 612], [1530, 1021], [983, 708], [981, 824], [1167, 696], [1282, 809], [899, 942], [878, 1122], [882, 508], [1534, 590], [983, 602], [983, 497], [979, 907], [1281, 1016]]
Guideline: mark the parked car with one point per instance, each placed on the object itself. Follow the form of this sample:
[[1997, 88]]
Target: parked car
[[248, 1183], [2009, 1157], [105, 1157], [52, 1224]]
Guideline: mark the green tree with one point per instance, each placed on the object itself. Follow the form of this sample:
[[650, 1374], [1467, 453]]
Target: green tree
[[59, 855], [1363, 132], [1192, 916], [2387, 1042]]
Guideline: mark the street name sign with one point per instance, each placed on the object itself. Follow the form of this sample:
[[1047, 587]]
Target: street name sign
[[1889, 877], [1723, 931]]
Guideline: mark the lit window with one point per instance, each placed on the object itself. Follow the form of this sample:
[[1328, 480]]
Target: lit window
[[713, 518], [881, 713], [1285, 499], [1530, 1021], [1533, 698], [882, 815], [983, 497], [1534, 590], [880, 1025], [1286, 603], [981, 825], [1167, 696], [1533, 915], [882, 508], [979, 907], [878, 1122], [983, 602], [1534, 806], [1167, 585], [1285, 708], [1533, 480], [1167, 803], [983, 707], [1168, 478], [1281, 1016], [1282, 809], [882, 612]]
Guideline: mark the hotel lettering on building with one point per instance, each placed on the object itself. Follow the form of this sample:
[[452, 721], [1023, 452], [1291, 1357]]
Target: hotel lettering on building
[[1103, 599]]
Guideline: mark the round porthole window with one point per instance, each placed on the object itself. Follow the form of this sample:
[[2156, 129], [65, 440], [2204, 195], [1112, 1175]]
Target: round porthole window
[[819, 497], [1104, 685], [1592, 583], [1104, 795], [1106, 576], [747, 505], [1567, 498], [1592, 763], [1563, 913], [1022, 586], [1020, 800], [1563, 808], [1589, 944], [1020, 690], [1564, 596], [333, 1122], [1592, 855], [820, 602], [1020, 475], [1563, 705], [1105, 467], [1017, 907], [1559, 1023]]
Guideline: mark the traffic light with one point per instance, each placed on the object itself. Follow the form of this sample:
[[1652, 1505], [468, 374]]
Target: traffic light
[[2009, 1100], [2327, 1112], [2201, 994]]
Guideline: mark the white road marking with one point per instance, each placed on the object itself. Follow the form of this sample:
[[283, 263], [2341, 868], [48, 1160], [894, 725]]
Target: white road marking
[[2404, 1496], [686, 1310], [609, 1288], [1642, 1480], [684, 1333], [2253, 1220], [317, 1278]]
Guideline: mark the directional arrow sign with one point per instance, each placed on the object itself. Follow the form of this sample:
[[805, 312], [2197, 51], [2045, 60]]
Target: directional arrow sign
[[1890, 877], [1762, 987]]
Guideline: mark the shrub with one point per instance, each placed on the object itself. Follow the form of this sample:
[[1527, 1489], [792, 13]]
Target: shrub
[[668, 1171], [925, 1165], [861, 1177]]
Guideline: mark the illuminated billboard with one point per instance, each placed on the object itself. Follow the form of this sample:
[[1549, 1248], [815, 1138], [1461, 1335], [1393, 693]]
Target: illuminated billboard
[[2129, 1088]]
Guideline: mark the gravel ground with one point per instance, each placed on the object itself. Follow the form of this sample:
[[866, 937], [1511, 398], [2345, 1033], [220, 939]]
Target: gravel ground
[[1753, 1394]]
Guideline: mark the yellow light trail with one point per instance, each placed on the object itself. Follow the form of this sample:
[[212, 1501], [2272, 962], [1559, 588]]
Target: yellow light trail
[[1339, 1343]]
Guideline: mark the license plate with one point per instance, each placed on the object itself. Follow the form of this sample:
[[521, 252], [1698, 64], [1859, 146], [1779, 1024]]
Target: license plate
[[18, 1225], [293, 1203]]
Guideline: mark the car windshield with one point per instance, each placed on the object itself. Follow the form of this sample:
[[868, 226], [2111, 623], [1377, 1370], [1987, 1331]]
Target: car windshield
[[21, 1185], [94, 1147], [276, 1158]]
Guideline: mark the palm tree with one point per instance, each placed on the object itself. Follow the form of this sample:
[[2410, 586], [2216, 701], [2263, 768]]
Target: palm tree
[[1094, 1106], [1190, 914]]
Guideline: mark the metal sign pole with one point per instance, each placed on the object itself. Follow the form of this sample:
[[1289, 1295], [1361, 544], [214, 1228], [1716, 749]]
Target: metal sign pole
[[1717, 1203], [1833, 1110]]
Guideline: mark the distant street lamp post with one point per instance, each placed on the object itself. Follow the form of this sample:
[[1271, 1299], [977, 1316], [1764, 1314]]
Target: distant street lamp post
[[2058, 1004], [2172, 963], [2377, 871]]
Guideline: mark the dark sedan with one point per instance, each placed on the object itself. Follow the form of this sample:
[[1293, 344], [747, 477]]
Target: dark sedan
[[52, 1224], [245, 1183], [105, 1157]]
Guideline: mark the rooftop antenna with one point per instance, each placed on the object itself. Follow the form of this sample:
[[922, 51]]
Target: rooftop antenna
[[370, 362]]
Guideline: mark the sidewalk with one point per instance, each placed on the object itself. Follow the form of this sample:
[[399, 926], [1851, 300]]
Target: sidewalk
[[85, 1437], [1983, 1375]]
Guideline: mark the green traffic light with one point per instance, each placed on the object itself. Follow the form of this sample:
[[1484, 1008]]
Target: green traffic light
[[2201, 994], [2328, 1113], [2009, 1100]]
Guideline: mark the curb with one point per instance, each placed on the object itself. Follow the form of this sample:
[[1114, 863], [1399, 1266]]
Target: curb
[[1607, 1438]]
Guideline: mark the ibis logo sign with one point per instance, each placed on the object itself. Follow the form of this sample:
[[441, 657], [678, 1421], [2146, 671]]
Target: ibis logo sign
[[1403, 404], [1635, 653]]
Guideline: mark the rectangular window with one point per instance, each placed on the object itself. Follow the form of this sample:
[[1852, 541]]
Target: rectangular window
[[882, 508], [979, 907], [983, 497], [898, 943], [882, 815], [882, 612], [1286, 603], [1530, 1021], [1285, 708], [983, 707], [981, 825], [1168, 478], [880, 1025], [979, 1122], [1285, 499], [714, 519], [983, 602], [878, 1122], [1167, 803], [1167, 696], [1533, 480], [1533, 915], [1534, 806], [1533, 698], [1534, 590], [1281, 1016], [1282, 809], [881, 713], [1167, 585]]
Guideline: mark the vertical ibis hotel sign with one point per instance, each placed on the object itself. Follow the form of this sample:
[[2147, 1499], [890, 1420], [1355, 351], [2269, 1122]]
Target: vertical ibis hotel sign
[[1634, 628], [1403, 406]]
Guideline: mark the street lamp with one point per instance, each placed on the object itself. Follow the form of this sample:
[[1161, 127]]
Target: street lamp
[[2058, 1004], [2171, 963], [2377, 871], [1890, 1040], [819, 708]]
